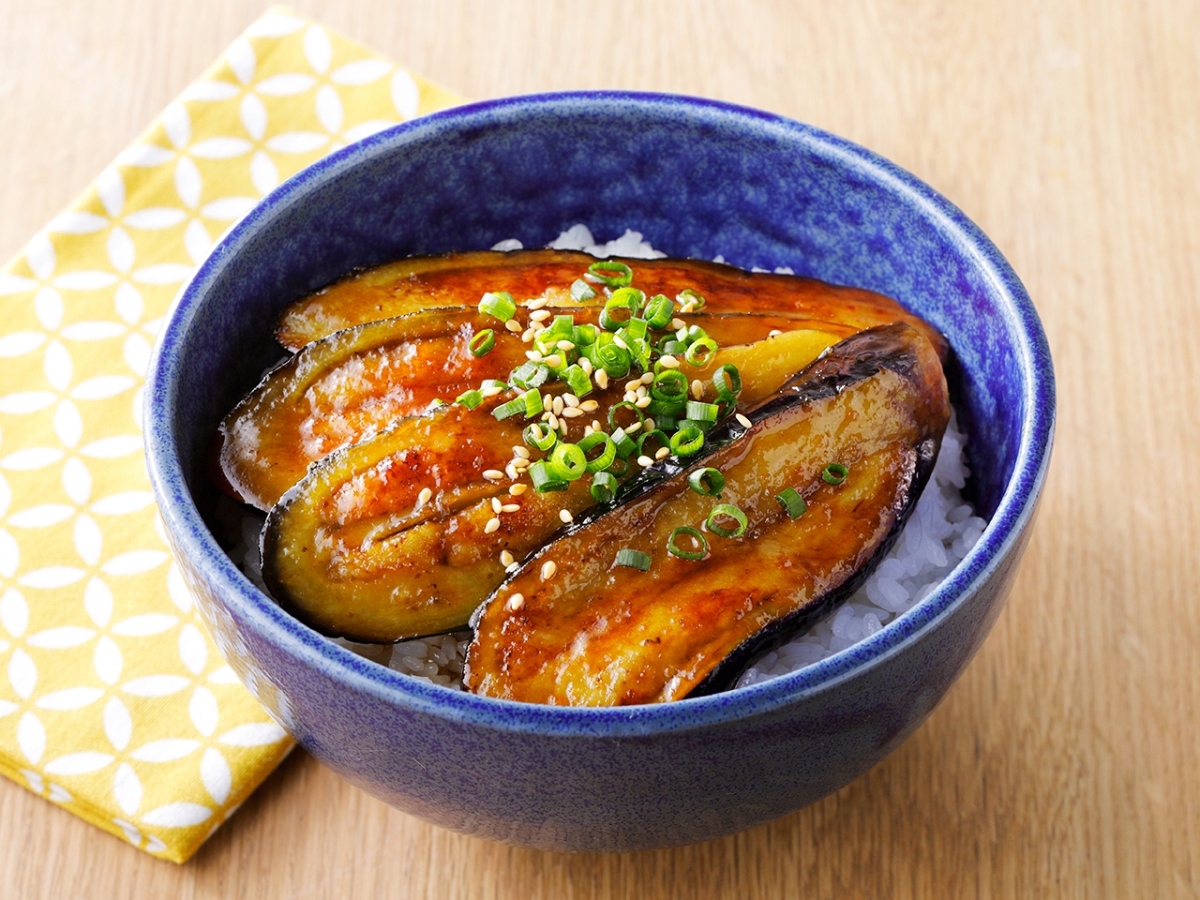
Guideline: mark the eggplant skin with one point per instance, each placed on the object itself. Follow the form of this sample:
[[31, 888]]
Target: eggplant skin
[[595, 633], [421, 282]]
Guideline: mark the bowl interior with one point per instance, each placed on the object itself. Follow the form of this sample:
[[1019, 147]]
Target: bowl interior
[[698, 179]]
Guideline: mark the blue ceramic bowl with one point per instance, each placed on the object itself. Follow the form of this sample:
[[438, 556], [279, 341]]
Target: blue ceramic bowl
[[698, 178]]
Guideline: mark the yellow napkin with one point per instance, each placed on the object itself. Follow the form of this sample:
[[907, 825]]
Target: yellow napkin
[[114, 703]]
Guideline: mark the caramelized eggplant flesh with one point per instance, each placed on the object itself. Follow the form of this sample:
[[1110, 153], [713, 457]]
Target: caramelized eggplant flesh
[[339, 390], [600, 633], [354, 551], [420, 283]]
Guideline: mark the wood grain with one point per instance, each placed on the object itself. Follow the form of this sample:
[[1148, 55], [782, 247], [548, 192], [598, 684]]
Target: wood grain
[[1064, 763]]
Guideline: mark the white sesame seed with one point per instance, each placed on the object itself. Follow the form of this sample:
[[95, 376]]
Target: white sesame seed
[[633, 385], [565, 515], [506, 558], [515, 602], [512, 325], [493, 474], [742, 420], [602, 378], [491, 391], [643, 402], [629, 397], [495, 505], [697, 389], [512, 568], [636, 426], [540, 316], [492, 526], [565, 346], [676, 324], [424, 497], [663, 453], [520, 463], [549, 567], [556, 405], [536, 432], [586, 365], [547, 401], [510, 507], [647, 378], [553, 421], [527, 335], [641, 391], [587, 429], [533, 356], [650, 423], [620, 343], [511, 471], [537, 302], [517, 490], [589, 406], [596, 425], [570, 400], [553, 360], [688, 307], [572, 412], [645, 461], [669, 362], [546, 418], [520, 451]]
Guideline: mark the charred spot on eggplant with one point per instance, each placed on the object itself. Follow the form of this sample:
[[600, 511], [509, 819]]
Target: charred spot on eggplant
[[598, 633]]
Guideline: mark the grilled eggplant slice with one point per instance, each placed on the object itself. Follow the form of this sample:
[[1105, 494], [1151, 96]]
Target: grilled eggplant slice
[[420, 283], [339, 390], [354, 551], [596, 632]]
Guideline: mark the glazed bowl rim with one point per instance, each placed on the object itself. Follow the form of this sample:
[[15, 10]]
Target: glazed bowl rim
[[309, 648]]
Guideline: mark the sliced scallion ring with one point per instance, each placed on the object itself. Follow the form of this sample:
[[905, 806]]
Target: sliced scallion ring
[[834, 473], [659, 311], [582, 291], [624, 404], [695, 534], [611, 273], [540, 437], [709, 482], [469, 399], [499, 304], [700, 351], [604, 487], [567, 462], [791, 501], [728, 382], [483, 342], [702, 412], [729, 511], [544, 480], [607, 455], [690, 300], [687, 441], [633, 559]]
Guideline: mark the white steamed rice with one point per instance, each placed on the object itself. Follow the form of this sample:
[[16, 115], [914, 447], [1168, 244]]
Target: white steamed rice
[[937, 536]]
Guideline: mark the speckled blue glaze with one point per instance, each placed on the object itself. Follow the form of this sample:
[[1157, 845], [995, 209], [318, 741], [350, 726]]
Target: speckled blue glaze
[[698, 178]]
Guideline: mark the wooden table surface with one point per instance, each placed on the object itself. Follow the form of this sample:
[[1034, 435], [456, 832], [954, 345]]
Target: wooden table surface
[[1065, 761]]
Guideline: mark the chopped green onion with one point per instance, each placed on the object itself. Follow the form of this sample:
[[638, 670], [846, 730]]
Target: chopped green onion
[[624, 443], [568, 462], [835, 473], [669, 384], [578, 381], [544, 481], [672, 347], [656, 434], [699, 352], [695, 534], [727, 510], [470, 399], [529, 375], [709, 482], [604, 487], [563, 324], [703, 424], [701, 411], [581, 291], [666, 422], [687, 441], [533, 403], [540, 437], [624, 404], [482, 342], [694, 298], [493, 383], [611, 273], [626, 298], [640, 350], [793, 504], [607, 355], [499, 304], [659, 311], [664, 408], [633, 559], [582, 335], [607, 455], [728, 382], [635, 327]]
